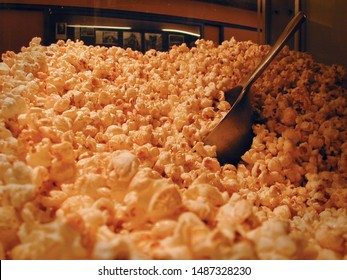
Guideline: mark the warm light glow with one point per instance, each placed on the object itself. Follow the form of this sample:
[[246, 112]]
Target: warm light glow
[[99, 26], [181, 31]]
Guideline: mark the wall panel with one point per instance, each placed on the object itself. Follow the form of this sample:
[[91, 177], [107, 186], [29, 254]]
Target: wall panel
[[17, 28]]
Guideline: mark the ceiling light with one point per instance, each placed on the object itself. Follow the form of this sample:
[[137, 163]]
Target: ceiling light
[[182, 32], [99, 26]]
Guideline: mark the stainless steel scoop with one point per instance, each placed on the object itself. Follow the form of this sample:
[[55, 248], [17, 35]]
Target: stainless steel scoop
[[233, 135]]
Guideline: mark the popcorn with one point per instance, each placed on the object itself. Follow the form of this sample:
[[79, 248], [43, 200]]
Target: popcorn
[[111, 246], [194, 235], [163, 228], [164, 203], [54, 240], [272, 241], [4, 69], [61, 172], [102, 155], [12, 106], [17, 195], [90, 184], [40, 155], [122, 168], [8, 226]]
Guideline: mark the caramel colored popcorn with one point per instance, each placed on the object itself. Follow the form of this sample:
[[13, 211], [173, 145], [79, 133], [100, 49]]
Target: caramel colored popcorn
[[102, 155]]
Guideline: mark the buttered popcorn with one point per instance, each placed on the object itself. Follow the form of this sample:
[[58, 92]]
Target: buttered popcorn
[[101, 155]]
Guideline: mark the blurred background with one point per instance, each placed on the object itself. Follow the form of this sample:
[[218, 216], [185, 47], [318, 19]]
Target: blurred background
[[155, 24]]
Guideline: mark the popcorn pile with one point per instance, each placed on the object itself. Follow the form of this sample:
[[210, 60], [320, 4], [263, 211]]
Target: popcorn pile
[[101, 155]]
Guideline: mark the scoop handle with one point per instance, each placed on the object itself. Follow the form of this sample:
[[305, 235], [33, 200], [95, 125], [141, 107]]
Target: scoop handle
[[290, 29]]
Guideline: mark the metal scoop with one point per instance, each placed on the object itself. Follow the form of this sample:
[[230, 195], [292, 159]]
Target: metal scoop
[[233, 135]]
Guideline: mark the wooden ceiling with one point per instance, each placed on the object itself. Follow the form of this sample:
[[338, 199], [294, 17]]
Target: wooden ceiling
[[243, 4]]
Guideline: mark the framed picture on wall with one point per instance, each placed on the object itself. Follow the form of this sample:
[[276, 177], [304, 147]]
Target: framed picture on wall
[[175, 39], [110, 37], [153, 41], [132, 40], [60, 30], [87, 32], [107, 38]]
